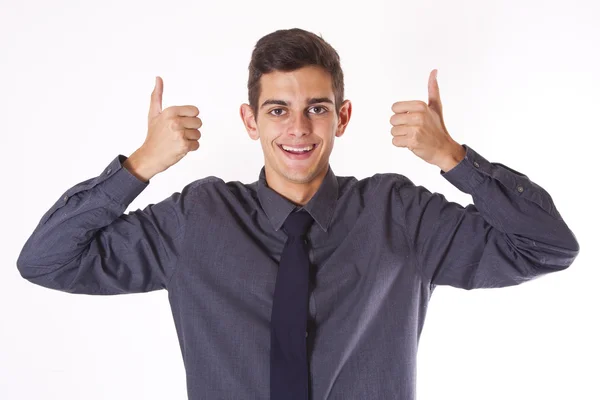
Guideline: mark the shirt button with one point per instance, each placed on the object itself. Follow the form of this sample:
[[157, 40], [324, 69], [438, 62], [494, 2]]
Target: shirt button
[[476, 164], [65, 198], [520, 189], [108, 171]]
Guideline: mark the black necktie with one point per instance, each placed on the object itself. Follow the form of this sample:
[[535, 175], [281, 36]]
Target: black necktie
[[289, 364]]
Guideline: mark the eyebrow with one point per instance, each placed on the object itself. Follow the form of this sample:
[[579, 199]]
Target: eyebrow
[[309, 101]]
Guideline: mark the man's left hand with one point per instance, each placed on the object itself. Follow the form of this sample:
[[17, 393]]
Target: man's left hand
[[420, 127]]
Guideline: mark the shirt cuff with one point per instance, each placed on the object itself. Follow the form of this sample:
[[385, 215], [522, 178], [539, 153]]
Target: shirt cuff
[[461, 174], [118, 183], [474, 169]]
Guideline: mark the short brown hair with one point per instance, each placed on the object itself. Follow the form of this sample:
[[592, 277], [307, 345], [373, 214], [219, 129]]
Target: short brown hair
[[288, 50]]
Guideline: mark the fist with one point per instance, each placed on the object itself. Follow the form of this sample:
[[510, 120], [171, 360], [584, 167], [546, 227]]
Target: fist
[[420, 126], [172, 132]]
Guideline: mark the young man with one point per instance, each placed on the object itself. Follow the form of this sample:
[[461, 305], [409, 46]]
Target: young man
[[265, 307]]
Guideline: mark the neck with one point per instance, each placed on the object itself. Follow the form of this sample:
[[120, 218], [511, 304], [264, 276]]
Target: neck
[[298, 193]]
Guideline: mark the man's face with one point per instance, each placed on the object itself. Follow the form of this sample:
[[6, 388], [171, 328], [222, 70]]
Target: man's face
[[296, 109]]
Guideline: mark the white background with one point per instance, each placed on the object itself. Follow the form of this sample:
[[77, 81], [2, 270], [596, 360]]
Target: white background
[[518, 81]]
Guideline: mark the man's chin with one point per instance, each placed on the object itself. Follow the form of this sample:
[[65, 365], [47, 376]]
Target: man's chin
[[299, 175]]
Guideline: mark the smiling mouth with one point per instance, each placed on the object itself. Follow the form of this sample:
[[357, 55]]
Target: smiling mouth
[[298, 156], [314, 146]]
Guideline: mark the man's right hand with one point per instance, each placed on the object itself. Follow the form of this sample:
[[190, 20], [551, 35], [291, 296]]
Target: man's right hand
[[172, 132]]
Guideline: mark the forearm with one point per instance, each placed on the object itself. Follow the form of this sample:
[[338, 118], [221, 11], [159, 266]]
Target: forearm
[[53, 253], [510, 234], [522, 213]]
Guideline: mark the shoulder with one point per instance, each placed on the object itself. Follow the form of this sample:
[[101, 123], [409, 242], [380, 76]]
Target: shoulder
[[399, 189], [206, 183], [375, 189], [215, 194], [193, 194], [392, 181]]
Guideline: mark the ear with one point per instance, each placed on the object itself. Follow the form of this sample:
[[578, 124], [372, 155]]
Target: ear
[[249, 122], [343, 117]]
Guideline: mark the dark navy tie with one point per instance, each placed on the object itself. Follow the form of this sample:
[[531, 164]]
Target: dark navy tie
[[289, 364]]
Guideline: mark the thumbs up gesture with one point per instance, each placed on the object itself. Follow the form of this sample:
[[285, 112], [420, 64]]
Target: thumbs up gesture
[[420, 127], [172, 133]]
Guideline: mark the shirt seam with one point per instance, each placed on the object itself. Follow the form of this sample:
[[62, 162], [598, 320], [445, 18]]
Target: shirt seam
[[183, 233], [415, 255], [412, 248], [162, 244], [180, 236]]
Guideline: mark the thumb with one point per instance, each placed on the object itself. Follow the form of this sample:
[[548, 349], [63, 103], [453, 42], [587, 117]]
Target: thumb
[[156, 98], [435, 102]]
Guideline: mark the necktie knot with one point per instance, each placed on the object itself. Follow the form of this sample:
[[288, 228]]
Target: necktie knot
[[297, 223]]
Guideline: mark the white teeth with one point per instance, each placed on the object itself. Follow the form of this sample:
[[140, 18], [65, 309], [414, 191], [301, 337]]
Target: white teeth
[[308, 148]]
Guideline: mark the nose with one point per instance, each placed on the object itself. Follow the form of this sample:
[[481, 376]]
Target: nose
[[299, 125]]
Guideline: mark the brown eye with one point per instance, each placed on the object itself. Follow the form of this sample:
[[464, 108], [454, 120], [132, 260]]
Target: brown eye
[[276, 109]]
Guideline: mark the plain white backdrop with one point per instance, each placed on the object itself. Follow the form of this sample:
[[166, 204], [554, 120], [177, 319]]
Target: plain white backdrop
[[518, 82]]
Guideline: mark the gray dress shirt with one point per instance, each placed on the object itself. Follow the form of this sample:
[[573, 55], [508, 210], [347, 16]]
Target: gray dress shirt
[[378, 249]]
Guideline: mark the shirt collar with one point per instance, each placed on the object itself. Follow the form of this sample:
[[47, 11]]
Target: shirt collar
[[320, 206]]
